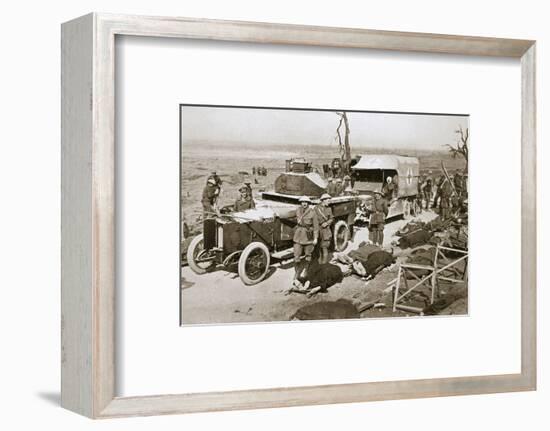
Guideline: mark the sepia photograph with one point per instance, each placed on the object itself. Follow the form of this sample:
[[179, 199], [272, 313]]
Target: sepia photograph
[[302, 214]]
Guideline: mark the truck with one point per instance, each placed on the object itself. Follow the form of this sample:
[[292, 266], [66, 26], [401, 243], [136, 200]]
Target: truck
[[369, 174]]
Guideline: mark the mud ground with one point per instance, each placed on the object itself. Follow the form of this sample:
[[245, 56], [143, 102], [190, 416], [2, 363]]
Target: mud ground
[[221, 297]]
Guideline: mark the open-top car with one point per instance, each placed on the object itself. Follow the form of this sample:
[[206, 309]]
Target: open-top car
[[254, 238]]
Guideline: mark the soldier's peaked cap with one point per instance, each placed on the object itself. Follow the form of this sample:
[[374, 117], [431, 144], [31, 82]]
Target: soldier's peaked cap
[[305, 199], [325, 196]]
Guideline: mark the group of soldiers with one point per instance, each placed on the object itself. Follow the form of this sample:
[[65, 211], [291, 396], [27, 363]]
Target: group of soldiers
[[313, 227], [339, 186], [445, 194], [261, 171]]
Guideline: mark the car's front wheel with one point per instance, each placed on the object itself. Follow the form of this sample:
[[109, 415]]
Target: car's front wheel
[[254, 263]]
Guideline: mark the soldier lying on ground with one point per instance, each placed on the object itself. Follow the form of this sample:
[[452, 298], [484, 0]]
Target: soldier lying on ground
[[375, 263], [414, 239], [318, 278]]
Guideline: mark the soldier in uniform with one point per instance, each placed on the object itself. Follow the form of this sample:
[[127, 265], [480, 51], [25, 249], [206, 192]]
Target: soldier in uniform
[[389, 190], [305, 238], [378, 219], [347, 182], [445, 192], [326, 218], [428, 184], [245, 201], [210, 195], [458, 182], [331, 187], [218, 181], [339, 187], [248, 186]]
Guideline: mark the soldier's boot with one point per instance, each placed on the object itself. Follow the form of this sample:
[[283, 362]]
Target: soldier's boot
[[297, 267], [303, 273]]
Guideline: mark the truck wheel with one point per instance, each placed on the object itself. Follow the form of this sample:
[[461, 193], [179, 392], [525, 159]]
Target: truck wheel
[[195, 253], [341, 235], [254, 263]]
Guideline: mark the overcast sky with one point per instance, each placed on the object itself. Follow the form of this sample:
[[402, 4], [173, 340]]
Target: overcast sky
[[289, 127]]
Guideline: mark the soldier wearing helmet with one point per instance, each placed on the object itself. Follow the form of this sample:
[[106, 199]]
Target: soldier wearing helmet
[[347, 182], [331, 187], [210, 195], [378, 218], [326, 218], [305, 238], [244, 201], [339, 187]]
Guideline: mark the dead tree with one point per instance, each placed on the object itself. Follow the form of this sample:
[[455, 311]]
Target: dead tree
[[461, 147], [344, 147]]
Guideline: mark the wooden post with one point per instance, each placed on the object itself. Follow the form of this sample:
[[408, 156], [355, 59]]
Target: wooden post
[[396, 293], [434, 275]]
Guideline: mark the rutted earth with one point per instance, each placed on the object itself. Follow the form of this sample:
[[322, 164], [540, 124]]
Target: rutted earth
[[221, 297]]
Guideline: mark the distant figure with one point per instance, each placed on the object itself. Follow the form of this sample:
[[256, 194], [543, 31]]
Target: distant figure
[[378, 218], [245, 201], [253, 170], [210, 195], [331, 187]]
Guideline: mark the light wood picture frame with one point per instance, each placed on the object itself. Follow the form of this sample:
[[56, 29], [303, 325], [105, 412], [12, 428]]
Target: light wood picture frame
[[88, 214]]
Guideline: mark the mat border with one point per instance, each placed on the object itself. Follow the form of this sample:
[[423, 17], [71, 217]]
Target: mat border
[[88, 214]]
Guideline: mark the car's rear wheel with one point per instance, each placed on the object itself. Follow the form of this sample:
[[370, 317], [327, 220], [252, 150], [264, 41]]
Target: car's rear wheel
[[197, 257], [342, 235], [254, 263]]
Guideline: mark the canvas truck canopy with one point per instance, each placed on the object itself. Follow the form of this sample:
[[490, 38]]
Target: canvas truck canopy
[[371, 171]]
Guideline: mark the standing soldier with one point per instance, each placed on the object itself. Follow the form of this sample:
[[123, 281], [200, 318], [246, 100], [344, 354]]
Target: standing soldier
[[248, 186], [389, 190], [218, 181], [339, 187], [347, 182], [439, 184], [245, 201], [331, 187], [445, 192], [210, 195], [326, 218], [458, 182], [253, 170], [428, 184], [378, 219], [420, 192], [305, 237]]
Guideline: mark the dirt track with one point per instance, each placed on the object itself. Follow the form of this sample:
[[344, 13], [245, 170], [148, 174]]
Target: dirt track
[[221, 297]]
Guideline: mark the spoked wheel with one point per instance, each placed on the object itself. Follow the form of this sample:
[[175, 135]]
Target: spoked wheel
[[341, 235], [198, 258], [254, 263]]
